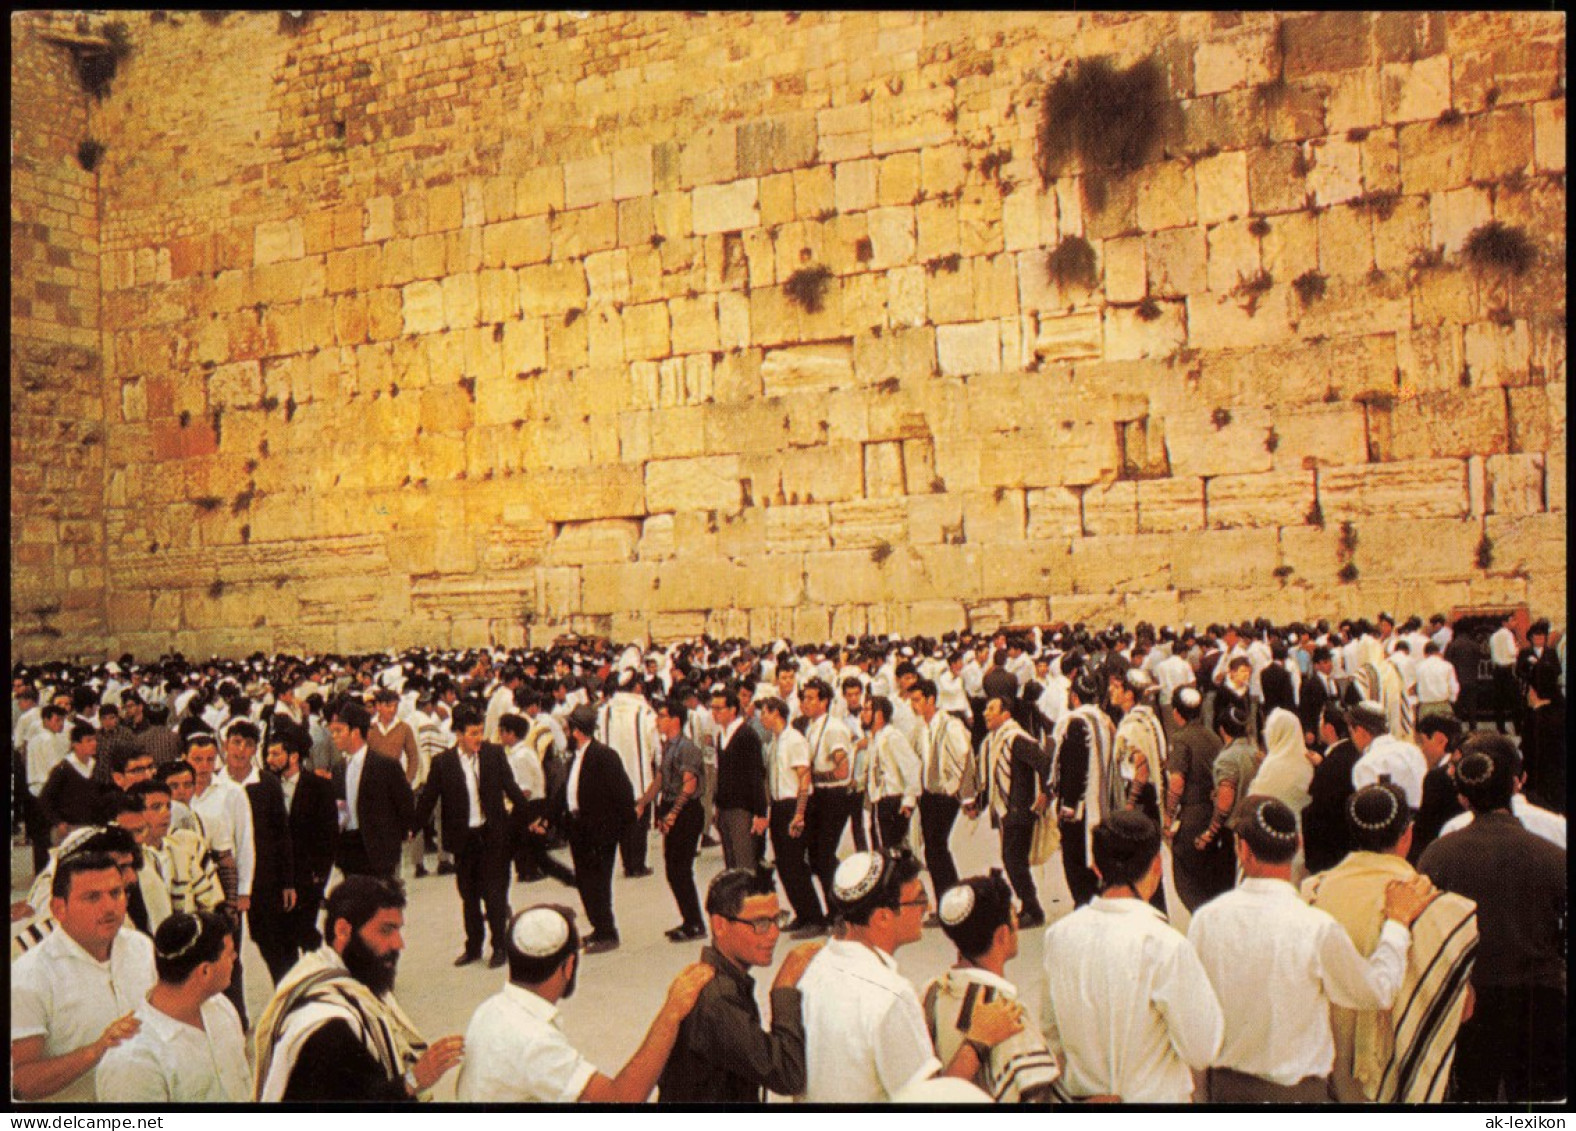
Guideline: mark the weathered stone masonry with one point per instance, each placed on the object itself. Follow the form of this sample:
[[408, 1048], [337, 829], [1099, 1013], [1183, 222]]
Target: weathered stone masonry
[[443, 328]]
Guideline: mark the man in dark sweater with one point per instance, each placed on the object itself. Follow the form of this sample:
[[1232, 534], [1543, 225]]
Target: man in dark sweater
[[1515, 1040], [70, 797], [723, 1055], [1439, 738]]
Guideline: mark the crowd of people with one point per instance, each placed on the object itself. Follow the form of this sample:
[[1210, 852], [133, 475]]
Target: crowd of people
[[1374, 888]]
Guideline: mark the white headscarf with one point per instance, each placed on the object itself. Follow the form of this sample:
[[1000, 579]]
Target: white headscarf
[[1286, 771]]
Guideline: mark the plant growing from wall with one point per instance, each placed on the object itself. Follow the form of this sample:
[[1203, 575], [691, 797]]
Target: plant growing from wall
[[1498, 247], [1071, 263], [806, 287], [1110, 120], [1309, 287], [1485, 553], [89, 153], [96, 64]]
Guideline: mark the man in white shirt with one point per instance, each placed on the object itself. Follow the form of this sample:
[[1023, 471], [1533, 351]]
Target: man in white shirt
[[892, 776], [831, 770], [1502, 655], [226, 817], [502, 701], [74, 995], [515, 1047], [788, 787], [946, 769], [1438, 688], [1277, 964], [865, 1038], [1384, 755], [1127, 1004], [190, 1048]]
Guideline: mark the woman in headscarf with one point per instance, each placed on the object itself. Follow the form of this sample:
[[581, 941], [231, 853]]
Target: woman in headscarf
[[1286, 770]]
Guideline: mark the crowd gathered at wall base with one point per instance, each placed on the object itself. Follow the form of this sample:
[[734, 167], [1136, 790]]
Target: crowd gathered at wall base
[[1360, 823]]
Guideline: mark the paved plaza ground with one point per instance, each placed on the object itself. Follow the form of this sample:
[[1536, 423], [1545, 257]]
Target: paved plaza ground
[[619, 992]]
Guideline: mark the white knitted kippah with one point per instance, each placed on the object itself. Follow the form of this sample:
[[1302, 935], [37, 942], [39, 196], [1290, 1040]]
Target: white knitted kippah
[[539, 932], [857, 876], [957, 905]]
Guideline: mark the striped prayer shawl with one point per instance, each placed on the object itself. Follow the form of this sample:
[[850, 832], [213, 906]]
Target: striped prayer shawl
[[1401, 1055], [1381, 683], [1105, 792], [1020, 1067], [1141, 736]]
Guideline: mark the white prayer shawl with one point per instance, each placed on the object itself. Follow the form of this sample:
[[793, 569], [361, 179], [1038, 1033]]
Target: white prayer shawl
[[1286, 772], [629, 726], [1104, 792], [317, 990], [1141, 735], [1380, 682]]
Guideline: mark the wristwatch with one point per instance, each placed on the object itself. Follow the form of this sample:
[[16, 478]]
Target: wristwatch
[[410, 1082]]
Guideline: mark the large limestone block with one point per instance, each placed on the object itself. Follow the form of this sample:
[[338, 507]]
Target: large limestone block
[[657, 538], [914, 119], [1111, 508], [1223, 559], [1432, 488], [1069, 336], [1029, 569], [1120, 563], [990, 517], [1166, 505], [869, 523], [277, 240], [1456, 422], [1207, 442], [969, 348], [423, 307], [905, 355], [513, 547], [595, 541], [935, 519], [822, 365], [936, 618], [1405, 549], [571, 495], [822, 474], [1054, 512], [703, 483], [884, 476], [1130, 336], [1320, 435], [491, 598], [1222, 184], [726, 208], [1515, 483], [1276, 498], [800, 529], [588, 181], [1074, 452], [335, 557], [617, 588], [1231, 322]]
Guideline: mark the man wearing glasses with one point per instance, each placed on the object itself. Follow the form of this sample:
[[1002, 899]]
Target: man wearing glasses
[[723, 1055]]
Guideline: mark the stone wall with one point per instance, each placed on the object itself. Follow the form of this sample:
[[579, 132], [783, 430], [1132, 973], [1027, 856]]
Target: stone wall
[[443, 328], [57, 409]]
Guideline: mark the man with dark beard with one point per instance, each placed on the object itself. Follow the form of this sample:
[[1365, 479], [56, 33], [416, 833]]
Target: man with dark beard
[[333, 1030]]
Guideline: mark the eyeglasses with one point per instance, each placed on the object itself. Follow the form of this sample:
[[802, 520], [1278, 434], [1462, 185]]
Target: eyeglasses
[[922, 901], [764, 926]]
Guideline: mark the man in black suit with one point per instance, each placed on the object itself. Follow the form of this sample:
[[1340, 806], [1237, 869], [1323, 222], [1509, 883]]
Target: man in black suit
[[273, 877], [1275, 682], [1317, 690], [376, 805], [472, 778], [598, 806], [314, 831], [741, 783]]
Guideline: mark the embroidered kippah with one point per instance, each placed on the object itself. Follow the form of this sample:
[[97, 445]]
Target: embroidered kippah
[[1189, 697], [539, 932], [857, 876], [1374, 807], [1475, 769], [957, 905], [184, 948], [1282, 816]]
